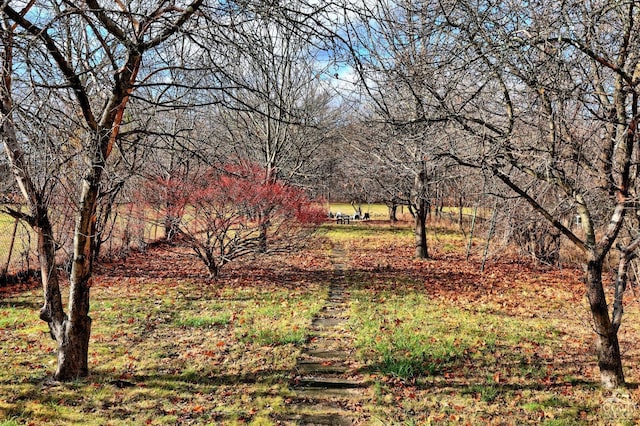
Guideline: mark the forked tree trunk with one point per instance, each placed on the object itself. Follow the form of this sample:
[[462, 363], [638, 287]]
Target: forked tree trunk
[[73, 350], [607, 345], [70, 334]]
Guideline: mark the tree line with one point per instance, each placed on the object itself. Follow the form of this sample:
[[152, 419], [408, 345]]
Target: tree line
[[406, 102]]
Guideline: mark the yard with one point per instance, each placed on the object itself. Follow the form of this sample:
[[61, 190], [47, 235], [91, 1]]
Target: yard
[[435, 341]]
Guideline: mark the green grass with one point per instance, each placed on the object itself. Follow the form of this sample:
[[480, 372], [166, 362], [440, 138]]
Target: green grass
[[275, 318], [437, 341], [410, 335], [187, 351], [200, 321]]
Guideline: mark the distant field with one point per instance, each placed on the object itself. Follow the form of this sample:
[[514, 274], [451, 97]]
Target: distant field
[[23, 245], [381, 211], [24, 248], [376, 211]]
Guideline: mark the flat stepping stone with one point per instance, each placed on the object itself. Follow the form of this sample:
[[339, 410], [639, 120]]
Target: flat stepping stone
[[330, 394], [327, 322], [318, 419], [333, 310], [340, 307], [328, 354], [325, 344], [328, 383], [309, 367]]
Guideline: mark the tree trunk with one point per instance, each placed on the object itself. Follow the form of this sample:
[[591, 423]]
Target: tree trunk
[[214, 270], [393, 213], [73, 352], [608, 348], [262, 238], [421, 230], [422, 208], [71, 336], [171, 228], [103, 226], [52, 311]]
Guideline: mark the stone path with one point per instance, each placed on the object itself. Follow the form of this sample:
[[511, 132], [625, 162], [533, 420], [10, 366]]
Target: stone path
[[328, 390]]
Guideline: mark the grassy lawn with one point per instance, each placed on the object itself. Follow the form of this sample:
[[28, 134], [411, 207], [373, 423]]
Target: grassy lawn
[[376, 211], [441, 343], [445, 344], [24, 244], [381, 212], [168, 347]]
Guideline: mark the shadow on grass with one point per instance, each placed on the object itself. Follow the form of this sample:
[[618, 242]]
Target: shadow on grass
[[121, 397], [20, 304], [429, 377], [167, 260]]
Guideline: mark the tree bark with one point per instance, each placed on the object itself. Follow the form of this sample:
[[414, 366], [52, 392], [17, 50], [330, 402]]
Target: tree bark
[[393, 212], [52, 311], [422, 207], [74, 349], [421, 230], [608, 347], [263, 244]]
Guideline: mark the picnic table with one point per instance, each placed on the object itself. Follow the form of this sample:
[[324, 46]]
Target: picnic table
[[346, 219], [342, 218]]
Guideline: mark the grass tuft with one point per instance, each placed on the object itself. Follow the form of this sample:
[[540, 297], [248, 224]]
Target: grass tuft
[[203, 321]]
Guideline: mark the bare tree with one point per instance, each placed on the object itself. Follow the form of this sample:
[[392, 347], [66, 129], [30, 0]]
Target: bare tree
[[554, 99], [388, 44], [82, 62], [545, 93]]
